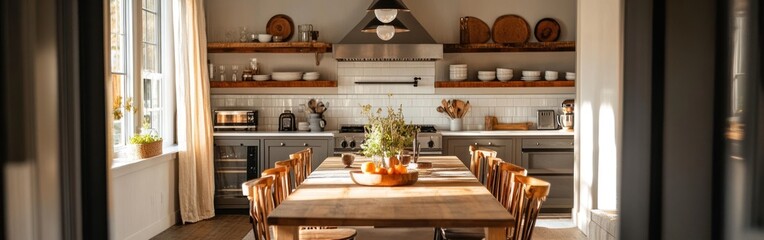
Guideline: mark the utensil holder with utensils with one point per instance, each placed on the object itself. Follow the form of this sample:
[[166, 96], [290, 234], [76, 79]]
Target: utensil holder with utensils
[[455, 110]]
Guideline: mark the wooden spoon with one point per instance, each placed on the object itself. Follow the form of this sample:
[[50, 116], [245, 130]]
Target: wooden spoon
[[467, 107], [460, 107], [312, 105], [442, 110]]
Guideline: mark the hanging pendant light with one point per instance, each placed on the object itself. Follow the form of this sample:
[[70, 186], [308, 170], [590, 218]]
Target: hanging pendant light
[[387, 10], [385, 31]]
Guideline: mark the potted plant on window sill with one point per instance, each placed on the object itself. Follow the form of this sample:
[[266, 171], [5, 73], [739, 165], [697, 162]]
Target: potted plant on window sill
[[146, 145]]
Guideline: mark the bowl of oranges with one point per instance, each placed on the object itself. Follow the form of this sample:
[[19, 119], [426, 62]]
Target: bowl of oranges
[[373, 175]]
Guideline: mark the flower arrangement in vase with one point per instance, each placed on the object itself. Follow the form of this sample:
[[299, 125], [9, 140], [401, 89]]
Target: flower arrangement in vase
[[386, 135]]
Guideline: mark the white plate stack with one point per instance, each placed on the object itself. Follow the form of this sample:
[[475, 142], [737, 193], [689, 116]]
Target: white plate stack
[[263, 77], [504, 74], [286, 76], [531, 76], [570, 76], [458, 72], [486, 76], [550, 75], [310, 76]]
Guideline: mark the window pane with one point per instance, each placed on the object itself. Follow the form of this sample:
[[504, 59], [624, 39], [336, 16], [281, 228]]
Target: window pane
[[151, 94], [116, 13], [117, 53], [118, 111], [150, 27], [153, 120], [151, 5]]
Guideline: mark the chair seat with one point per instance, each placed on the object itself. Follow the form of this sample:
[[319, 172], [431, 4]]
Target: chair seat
[[327, 234], [463, 233]]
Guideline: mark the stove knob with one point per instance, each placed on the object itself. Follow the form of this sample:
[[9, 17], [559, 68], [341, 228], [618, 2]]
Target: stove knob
[[431, 144], [344, 143], [352, 143]]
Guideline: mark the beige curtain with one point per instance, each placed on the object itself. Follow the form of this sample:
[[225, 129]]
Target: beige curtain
[[196, 184]]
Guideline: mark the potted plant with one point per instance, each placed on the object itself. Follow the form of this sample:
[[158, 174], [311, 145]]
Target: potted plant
[[386, 135], [146, 145]]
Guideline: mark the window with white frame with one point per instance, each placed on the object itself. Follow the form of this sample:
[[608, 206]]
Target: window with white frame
[[142, 94]]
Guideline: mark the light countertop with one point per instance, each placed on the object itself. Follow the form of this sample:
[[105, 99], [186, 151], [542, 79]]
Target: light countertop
[[500, 133], [274, 134]]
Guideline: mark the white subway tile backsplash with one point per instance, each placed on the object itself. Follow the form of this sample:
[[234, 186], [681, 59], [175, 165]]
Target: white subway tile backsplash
[[417, 108]]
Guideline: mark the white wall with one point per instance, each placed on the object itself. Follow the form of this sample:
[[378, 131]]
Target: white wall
[[598, 106], [144, 197], [335, 18]]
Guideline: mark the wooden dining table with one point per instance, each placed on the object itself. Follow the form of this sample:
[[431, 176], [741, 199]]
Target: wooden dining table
[[447, 195]]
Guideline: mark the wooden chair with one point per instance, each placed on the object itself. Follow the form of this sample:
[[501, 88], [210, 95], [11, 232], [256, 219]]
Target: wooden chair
[[281, 177], [478, 157], [491, 175], [294, 172], [533, 193], [503, 189], [262, 194], [306, 158]]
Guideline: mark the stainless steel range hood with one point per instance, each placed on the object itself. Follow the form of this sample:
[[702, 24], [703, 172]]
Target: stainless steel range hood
[[415, 45]]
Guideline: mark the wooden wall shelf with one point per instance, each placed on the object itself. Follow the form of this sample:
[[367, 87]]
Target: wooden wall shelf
[[272, 84], [271, 47], [509, 84], [567, 46]]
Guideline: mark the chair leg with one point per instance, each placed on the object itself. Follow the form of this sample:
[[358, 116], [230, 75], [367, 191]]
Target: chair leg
[[438, 234]]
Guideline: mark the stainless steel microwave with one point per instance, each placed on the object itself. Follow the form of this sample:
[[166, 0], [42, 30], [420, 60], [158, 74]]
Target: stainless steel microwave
[[227, 120]]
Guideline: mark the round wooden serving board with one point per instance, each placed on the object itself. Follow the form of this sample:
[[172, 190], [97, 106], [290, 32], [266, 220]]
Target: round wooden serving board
[[384, 180], [280, 25], [511, 29], [474, 30], [547, 30]]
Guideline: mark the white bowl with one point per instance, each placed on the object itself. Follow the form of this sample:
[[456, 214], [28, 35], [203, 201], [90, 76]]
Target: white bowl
[[504, 70], [531, 73], [486, 78], [287, 76], [570, 78], [310, 78], [487, 72], [550, 73], [550, 78], [261, 77], [264, 37], [504, 78]]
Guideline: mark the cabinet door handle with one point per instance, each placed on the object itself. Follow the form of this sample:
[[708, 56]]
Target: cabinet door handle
[[490, 144], [305, 144], [537, 144], [282, 144], [476, 144]]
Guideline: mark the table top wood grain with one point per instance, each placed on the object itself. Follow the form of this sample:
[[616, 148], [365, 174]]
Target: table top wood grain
[[447, 195]]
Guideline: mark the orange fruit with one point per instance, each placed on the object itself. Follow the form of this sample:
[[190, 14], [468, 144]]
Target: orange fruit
[[380, 170], [391, 170], [401, 169], [368, 167]]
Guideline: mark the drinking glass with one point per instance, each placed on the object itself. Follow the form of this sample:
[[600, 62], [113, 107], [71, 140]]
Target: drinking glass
[[234, 76], [243, 34], [221, 70]]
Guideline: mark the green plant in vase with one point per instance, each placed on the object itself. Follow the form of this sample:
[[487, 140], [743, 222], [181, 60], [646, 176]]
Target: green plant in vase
[[386, 135]]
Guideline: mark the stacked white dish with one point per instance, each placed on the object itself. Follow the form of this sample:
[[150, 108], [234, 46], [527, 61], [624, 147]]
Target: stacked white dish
[[531, 76], [264, 77], [310, 76], [550, 75], [287, 76], [570, 76], [458, 72], [504, 74], [486, 76]]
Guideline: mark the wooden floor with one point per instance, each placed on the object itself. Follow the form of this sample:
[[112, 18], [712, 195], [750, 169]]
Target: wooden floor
[[237, 226]]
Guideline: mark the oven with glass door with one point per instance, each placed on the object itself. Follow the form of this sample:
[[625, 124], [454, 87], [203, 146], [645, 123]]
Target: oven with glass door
[[235, 162]]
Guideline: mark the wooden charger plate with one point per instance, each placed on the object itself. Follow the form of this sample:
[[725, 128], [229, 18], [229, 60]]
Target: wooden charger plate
[[547, 30], [474, 30], [511, 29], [384, 180], [280, 25]]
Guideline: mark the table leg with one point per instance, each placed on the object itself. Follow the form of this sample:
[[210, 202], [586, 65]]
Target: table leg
[[287, 232], [495, 233]]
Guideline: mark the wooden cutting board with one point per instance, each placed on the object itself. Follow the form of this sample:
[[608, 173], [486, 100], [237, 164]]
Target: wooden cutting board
[[473, 30], [511, 29], [547, 30], [280, 25]]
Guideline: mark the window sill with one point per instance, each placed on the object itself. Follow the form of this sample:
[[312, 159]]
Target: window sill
[[125, 165]]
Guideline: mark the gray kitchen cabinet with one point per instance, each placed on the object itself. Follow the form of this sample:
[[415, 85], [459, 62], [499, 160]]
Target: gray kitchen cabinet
[[551, 159], [279, 149], [460, 147]]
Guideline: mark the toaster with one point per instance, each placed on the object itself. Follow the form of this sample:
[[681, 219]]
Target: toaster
[[547, 120]]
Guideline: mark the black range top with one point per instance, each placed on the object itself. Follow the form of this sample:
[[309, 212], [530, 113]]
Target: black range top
[[359, 128]]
